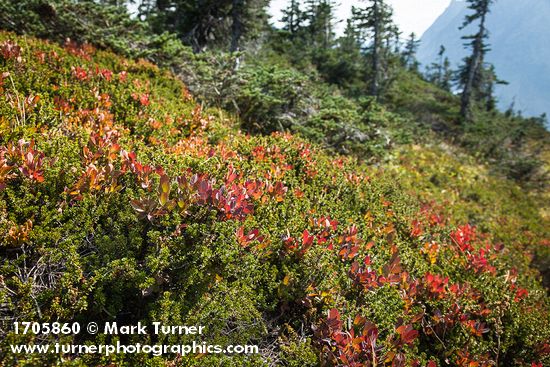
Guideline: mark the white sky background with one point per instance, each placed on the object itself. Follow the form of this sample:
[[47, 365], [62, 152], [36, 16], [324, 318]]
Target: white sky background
[[410, 15]]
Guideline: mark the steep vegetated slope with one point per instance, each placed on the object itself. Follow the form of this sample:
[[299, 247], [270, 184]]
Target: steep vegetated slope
[[122, 199], [288, 84]]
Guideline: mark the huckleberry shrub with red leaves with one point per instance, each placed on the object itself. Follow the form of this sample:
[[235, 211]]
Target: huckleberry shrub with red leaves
[[122, 199]]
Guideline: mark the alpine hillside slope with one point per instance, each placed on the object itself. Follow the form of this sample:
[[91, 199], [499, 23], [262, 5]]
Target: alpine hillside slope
[[122, 199]]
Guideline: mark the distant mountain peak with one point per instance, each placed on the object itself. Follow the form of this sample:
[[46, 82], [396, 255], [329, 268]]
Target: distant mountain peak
[[520, 51]]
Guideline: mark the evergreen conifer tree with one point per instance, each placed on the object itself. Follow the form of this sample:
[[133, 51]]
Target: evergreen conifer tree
[[202, 24], [375, 21], [293, 18], [439, 72], [409, 53], [470, 74]]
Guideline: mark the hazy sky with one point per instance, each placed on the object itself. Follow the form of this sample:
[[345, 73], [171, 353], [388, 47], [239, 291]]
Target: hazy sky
[[410, 15]]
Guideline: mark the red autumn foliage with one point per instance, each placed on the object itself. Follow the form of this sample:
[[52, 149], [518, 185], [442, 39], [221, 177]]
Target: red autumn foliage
[[476, 328], [141, 98], [28, 160], [465, 359], [358, 346], [407, 335], [349, 243], [84, 51], [436, 285], [355, 347], [104, 74], [416, 228], [277, 191], [246, 239], [463, 237], [519, 292], [369, 279], [80, 73], [6, 169], [11, 51], [479, 262]]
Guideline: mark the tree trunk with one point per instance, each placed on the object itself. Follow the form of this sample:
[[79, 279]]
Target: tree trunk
[[473, 69], [440, 70], [374, 88], [237, 25], [291, 17]]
